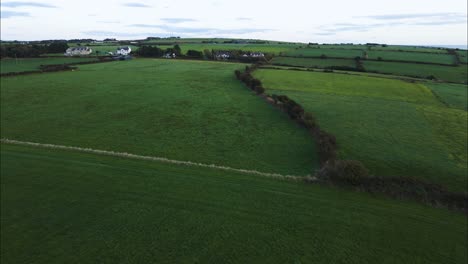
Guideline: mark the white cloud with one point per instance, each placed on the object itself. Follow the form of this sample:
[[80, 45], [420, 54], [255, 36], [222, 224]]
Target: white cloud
[[358, 21]]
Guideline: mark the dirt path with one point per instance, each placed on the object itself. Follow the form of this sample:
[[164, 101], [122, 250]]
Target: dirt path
[[150, 158]]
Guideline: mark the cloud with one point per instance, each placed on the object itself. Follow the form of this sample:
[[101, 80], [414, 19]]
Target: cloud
[[109, 21], [415, 16], [134, 4], [201, 30], [244, 19], [178, 20], [112, 34], [433, 19], [31, 4], [10, 14]]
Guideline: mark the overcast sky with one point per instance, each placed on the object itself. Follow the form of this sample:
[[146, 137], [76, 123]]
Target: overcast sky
[[419, 22]]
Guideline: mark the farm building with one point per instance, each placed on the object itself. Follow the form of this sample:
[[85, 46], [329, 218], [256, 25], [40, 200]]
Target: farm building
[[169, 55], [124, 51], [74, 51], [222, 55]]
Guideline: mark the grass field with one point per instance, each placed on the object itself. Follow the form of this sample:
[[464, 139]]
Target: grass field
[[447, 73], [312, 62], [64, 207], [184, 110], [32, 64], [387, 48], [453, 95], [266, 48], [395, 128], [412, 56], [317, 52]]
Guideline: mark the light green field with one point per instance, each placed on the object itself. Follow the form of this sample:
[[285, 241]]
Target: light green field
[[395, 128], [184, 110], [64, 207], [412, 56], [32, 64], [457, 74], [312, 62], [453, 95], [317, 52]]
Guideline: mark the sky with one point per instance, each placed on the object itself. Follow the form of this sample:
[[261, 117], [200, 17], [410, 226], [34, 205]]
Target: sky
[[414, 22]]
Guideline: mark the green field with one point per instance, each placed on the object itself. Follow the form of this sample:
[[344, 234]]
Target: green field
[[32, 64], [65, 207], [395, 128], [184, 110], [457, 74], [266, 48], [317, 52], [380, 47], [312, 62], [453, 95], [412, 56]]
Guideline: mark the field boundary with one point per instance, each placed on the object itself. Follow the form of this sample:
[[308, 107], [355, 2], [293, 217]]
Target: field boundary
[[152, 158]]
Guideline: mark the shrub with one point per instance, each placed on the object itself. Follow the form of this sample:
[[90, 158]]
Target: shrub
[[238, 74], [259, 89], [344, 172]]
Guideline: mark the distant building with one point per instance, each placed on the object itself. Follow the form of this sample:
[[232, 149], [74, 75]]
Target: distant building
[[169, 55], [124, 51], [222, 55], [76, 51]]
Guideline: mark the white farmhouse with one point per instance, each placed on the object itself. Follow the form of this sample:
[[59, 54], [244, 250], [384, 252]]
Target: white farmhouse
[[75, 51], [123, 51]]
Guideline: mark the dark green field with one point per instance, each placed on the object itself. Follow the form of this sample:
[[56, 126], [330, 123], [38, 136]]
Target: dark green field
[[317, 52], [412, 56], [32, 64], [456, 74], [64, 207], [184, 110], [312, 62], [395, 128]]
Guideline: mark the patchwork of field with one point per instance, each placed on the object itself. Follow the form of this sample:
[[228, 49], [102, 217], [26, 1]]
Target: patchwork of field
[[266, 48], [412, 56], [183, 110], [395, 128], [313, 62], [318, 52], [66, 207], [457, 74], [32, 64]]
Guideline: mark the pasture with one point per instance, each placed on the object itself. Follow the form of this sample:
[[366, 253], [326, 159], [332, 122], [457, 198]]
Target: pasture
[[266, 48], [457, 74], [32, 64], [395, 128], [184, 110], [328, 52], [66, 207], [312, 62], [412, 56], [453, 95]]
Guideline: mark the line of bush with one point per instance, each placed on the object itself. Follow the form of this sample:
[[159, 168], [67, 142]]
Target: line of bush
[[247, 78], [351, 173]]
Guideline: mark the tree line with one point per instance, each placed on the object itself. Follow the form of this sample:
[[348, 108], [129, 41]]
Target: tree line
[[34, 50]]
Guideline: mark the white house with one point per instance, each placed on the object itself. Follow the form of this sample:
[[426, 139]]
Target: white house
[[124, 51], [74, 51], [169, 55]]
